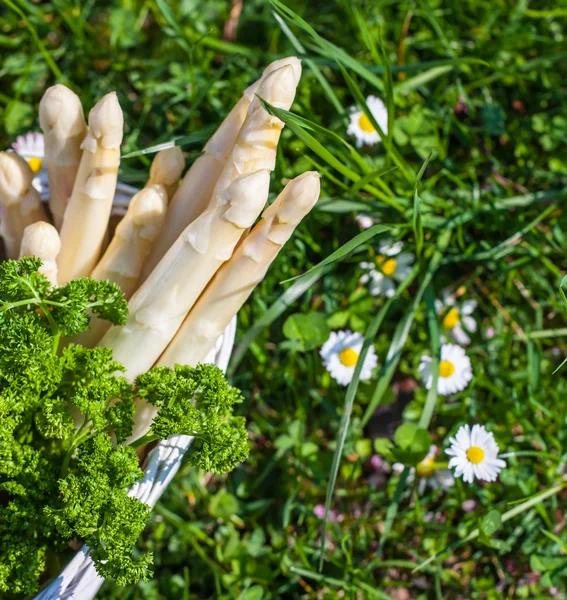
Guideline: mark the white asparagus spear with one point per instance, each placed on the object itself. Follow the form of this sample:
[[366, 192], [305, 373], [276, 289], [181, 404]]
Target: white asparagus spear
[[233, 284], [236, 279], [86, 217], [159, 306], [124, 258], [196, 188], [21, 204], [42, 240], [166, 169], [63, 123]]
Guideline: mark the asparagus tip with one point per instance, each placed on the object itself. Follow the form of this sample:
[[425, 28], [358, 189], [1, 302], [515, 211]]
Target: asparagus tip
[[106, 124], [278, 88], [15, 177], [298, 197], [61, 108], [290, 61], [40, 239], [149, 203], [168, 165]]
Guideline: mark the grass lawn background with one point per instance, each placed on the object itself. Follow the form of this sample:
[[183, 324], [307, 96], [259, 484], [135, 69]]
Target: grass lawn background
[[477, 87]]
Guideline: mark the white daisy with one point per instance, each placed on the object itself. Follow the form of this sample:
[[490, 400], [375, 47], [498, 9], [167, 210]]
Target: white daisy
[[364, 221], [361, 127], [475, 454], [429, 473], [391, 265], [30, 147], [456, 317], [340, 353], [455, 370]]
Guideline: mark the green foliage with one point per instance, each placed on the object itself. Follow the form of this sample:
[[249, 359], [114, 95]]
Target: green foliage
[[481, 86], [59, 483], [306, 332]]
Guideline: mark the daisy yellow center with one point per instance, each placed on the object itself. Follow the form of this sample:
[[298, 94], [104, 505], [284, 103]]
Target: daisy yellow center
[[365, 124], [451, 319], [475, 455], [35, 164], [425, 468], [446, 368], [388, 265], [348, 357]]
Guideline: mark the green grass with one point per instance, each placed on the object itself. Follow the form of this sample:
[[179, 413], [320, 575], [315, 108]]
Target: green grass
[[476, 88]]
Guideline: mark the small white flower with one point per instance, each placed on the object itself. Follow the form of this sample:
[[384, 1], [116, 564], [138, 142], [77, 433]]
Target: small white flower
[[340, 354], [455, 370], [364, 221], [455, 315], [475, 454], [391, 265], [361, 127], [428, 473], [30, 147]]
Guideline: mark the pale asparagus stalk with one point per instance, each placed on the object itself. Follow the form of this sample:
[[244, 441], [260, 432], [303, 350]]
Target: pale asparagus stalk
[[236, 279], [42, 240], [63, 123], [124, 258], [196, 188], [233, 284], [21, 204], [166, 169], [160, 304], [86, 217]]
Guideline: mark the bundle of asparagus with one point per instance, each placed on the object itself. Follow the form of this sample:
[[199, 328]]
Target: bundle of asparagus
[[186, 254]]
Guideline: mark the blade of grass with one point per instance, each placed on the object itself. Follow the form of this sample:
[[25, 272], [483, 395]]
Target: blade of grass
[[355, 586], [311, 64], [342, 206], [437, 28], [421, 79], [510, 514], [170, 19], [42, 49], [370, 177], [393, 509], [326, 48], [402, 330], [316, 146], [346, 248], [426, 413], [389, 89], [417, 222], [435, 337], [275, 310], [365, 35], [369, 337], [181, 140]]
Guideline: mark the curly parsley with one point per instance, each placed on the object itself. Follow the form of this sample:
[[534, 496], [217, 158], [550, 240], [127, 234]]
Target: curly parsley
[[64, 417]]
